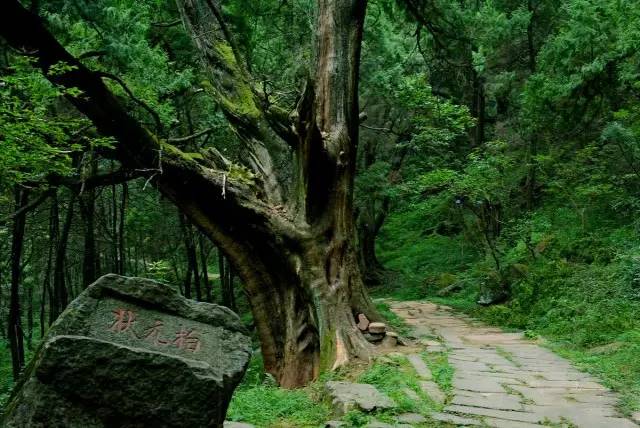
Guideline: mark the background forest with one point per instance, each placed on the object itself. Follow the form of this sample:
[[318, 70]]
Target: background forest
[[498, 164]]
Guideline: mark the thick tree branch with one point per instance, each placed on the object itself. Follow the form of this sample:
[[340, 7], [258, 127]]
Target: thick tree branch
[[232, 88], [197, 190]]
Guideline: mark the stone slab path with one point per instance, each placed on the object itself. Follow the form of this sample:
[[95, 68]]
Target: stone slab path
[[503, 380]]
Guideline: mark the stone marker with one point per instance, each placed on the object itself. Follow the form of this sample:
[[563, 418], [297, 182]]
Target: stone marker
[[377, 327], [363, 322], [131, 352], [346, 396]]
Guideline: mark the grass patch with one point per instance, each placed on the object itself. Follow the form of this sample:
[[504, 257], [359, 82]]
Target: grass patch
[[260, 402], [269, 406], [442, 371], [395, 377]]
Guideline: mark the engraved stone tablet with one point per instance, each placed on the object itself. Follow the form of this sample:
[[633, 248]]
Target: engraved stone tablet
[[131, 352]]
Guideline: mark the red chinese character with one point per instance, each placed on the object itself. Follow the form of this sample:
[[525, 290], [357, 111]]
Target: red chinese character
[[124, 321], [187, 340], [153, 333]]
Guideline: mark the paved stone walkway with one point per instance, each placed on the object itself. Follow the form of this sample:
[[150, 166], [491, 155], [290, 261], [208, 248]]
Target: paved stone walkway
[[503, 380]]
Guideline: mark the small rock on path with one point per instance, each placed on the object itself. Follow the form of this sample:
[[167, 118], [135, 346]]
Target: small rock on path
[[504, 380], [346, 396]]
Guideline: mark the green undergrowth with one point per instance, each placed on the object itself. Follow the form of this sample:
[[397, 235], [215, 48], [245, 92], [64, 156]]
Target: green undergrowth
[[394, 376], [259, 401], [581, 291]]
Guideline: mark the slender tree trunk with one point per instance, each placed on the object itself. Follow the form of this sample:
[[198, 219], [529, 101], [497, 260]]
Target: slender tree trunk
[[55, 239], [46, 282], [60, 289], [90, 255], [115, 264], [204, 264], [224, 290], [30, 317], [231, 292], [121, 229], [144, 262], [68, 280], [136, 257], [192, 259], [14, 330], [479, 109], [370, 266], [186, 288]]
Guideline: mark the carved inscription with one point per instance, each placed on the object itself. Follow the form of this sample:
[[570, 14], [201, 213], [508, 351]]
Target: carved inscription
[[125, 320]]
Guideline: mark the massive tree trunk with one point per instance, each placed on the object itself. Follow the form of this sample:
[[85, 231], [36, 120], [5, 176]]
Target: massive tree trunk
[[293, 247]]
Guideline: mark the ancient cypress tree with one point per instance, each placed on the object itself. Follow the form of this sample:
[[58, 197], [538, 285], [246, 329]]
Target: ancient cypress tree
[[291, 242]]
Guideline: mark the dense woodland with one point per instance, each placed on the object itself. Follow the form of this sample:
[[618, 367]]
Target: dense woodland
[[291, 158]]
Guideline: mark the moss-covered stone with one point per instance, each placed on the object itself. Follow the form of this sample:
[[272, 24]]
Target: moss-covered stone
[[130, 352]]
